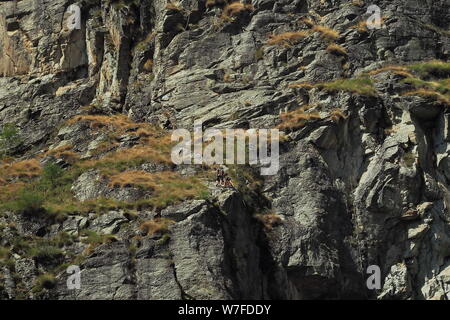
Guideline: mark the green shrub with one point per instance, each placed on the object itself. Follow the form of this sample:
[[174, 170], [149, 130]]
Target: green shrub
[[9, 137], [44, 252], [63, 239], [408, 159], [95, 238], [5, 257], [27, 202], [435, 67], [361, 86], [51, 173], [46, 281], [164, 239]]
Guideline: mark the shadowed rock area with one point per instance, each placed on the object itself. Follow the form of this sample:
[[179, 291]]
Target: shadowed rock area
[[86, 178]]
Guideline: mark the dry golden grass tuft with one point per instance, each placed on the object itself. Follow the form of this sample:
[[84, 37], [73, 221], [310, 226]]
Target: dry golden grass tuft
[[9, 190], [21, 169], [118, 125], [148, 65], [358, 3], [360, 86], [428, 93], [144, 133], [361, 26], [326, 33], [297, 118], [395, 69], [390, 130], [175, 6], [436, 68], [167, 187], [269, 220], [227, 77], [437, 29], [304, 85], [142, 45], [337, 115], [235, 8], [114, 122], [120, 159], [135, 178], [210, 3], [337, 49], [158, 226], [287, 39], [308, 22], [216, 3], [64, 152]]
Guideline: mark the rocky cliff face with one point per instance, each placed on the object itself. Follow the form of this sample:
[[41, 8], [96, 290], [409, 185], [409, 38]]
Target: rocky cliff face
[[364, 165]]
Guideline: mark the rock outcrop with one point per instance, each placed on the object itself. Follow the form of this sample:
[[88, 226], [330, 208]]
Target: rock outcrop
[[364, 172]]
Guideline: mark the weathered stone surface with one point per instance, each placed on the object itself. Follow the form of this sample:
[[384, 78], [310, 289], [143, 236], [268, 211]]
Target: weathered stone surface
[[369, 188]]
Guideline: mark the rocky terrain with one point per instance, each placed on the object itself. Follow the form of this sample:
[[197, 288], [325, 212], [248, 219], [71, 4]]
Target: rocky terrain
[[86, 179]]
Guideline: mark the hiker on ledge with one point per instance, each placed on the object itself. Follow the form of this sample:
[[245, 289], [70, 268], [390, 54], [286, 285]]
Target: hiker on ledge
[[220, 177], [228, 183]]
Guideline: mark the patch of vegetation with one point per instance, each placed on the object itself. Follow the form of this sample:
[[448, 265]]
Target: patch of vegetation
[[430, 94], [5, 257], [326, 33], [259, 53], [164, 239], [438, 90], [435, 67], [9, 138], [95, 239], [218, 3], [27, 187], [148, 65], [63, 239], [44, 281], [269, 220], [297, 119], [399, 70], [337, 49], [303, 85], [174, 6], [168, 187], [45, 253], [308, 22], [65, 153], [144, 44], [287, 39], [337, 115], [51, 174], [25, 169], [248, 181], [26, 202], [233, 9], [425, 79], [157, 226], [437, 29], [408, 159], [358, 3], [361, 86]]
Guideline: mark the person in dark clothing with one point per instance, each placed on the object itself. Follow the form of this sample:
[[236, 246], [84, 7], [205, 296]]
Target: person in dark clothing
[[220, 177], [228, 183]]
